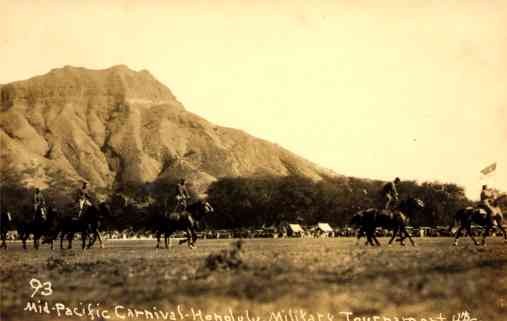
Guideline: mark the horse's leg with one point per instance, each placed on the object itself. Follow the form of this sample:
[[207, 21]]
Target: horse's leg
[[165, 241], [157, 235], [4, 244], [458, 234], [70, 237], [84, 236], [359, 234], [469, 231], [62, 236], [194, 238], [185, 240], [23, 237], [402, 237], [189, 238], [502, 229], [395, 231], [97, 236], [369, 238], [376, 240], [372, 238], [408, 235], [36, 241], [485, 234], [92, 240]]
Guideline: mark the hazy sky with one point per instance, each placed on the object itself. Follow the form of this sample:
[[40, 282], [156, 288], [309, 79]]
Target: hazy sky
[[373, 88]]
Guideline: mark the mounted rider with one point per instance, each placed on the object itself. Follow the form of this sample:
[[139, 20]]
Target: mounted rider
[[39, 204], [487, 196], [390, 193], [182, 196], [83, 198]]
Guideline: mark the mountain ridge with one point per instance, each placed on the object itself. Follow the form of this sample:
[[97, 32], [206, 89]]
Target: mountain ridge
[[118, 126]]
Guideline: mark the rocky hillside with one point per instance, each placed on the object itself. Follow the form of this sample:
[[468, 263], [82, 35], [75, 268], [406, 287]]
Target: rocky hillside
[[116, 126]]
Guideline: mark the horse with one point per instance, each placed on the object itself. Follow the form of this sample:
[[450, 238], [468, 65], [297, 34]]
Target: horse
[[181, 221], [42, 223], [468, 215], [369, 219], [6, 224], [88, 223]]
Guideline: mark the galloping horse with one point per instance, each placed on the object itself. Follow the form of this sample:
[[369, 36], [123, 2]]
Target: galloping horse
[[43, 223], [466, 216], [368, 220], [88, 223], [181, 221]]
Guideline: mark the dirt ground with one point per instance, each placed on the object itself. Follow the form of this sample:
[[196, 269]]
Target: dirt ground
[[265, 280]]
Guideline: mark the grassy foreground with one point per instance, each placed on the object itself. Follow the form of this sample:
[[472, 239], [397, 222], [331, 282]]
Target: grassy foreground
[[268, 280]]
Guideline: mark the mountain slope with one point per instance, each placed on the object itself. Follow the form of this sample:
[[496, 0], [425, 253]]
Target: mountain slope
[[118, 126]]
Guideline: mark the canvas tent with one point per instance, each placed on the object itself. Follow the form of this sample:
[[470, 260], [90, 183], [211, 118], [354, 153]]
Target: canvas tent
[[325, 229], [296, 230]]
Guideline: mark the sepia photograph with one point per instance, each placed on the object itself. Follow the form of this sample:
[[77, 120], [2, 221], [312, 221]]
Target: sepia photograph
[[270, 160]]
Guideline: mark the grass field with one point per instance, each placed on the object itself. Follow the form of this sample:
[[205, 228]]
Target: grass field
[[269, 279]]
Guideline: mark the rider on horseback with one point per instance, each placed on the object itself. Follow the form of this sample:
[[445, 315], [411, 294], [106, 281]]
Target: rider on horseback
[[182, 196], [390, 193], [487, 196], [39, 203], [83, 198]]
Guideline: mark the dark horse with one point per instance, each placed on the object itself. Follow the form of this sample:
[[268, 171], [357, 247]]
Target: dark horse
[[181, 221], [466, 216], [87, 224], [42, 224], [368, 220], [6, 224]]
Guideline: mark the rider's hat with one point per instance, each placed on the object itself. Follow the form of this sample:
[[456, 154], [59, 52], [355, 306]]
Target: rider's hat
[[397, 180]]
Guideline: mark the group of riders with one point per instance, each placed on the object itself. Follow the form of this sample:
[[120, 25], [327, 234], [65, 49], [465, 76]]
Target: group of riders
[[392, 210], [84, 200], [389, 194], [390, 197]]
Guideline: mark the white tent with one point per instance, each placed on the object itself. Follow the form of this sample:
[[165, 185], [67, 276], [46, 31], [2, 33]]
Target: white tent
[[296, 230], [324, 227], [323, 230]]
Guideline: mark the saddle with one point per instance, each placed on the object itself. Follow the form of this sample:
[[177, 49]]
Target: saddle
[[477, 211], [482, 213]]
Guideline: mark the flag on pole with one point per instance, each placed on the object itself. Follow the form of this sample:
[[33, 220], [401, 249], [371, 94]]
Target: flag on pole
[[489, 169]]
